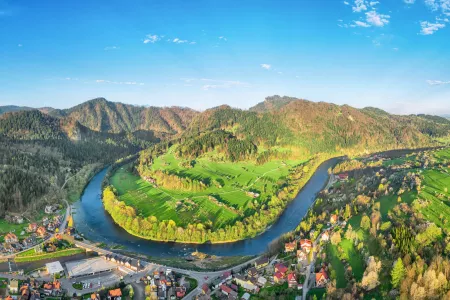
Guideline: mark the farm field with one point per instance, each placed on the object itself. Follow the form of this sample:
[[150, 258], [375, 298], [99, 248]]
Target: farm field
[[235, 180]]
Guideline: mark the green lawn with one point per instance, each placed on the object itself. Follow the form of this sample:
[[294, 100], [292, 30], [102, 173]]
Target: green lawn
[[338, 266], [3, 283], [236, 179], [66, 252], [6, 227], [387, 203], [354, 258]]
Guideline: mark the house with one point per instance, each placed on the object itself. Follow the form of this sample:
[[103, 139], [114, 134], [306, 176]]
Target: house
[[205, 289], [306, 245], [321, 278], [252, 272], [115, 294], [13, 286], [226, 276], [11, 238], [281, 268], [226, 290], [302, 256], [95, 296], [278, 277], [246, 296], [240, 280], [18, 219], [325, 236], [342, 177], [261, 281], [290, 247], [41, 231], [261, 263], [181, 291], [292, 281], [334, 218]]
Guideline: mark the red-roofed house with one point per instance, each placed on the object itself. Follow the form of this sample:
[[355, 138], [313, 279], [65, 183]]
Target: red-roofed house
[[225, 289], [205, 289], [343, 176], [306, 245], [321, 278], [181, 291], [278, 277], [290, 247], [281, 268], [32, 227], [292, 281]]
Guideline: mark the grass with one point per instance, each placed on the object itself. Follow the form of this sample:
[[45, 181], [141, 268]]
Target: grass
[[354, 258], [338, 266], [3, 283], [236, 179], [29, 252], [387, 203], [319, 293], [192, 284], [77, 286], [6, 227], [66, 252]]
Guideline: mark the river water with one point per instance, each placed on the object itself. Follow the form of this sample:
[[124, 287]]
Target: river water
[[96, 225]]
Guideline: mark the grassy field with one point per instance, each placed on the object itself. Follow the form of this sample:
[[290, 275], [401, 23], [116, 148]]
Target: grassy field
[[235, 180], [66, 252], [338, 266], [353, 257]]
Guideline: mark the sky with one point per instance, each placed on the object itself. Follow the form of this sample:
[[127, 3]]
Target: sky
[[391, 54]]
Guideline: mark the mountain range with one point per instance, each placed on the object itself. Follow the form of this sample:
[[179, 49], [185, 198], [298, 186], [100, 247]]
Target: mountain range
[[39, 147]]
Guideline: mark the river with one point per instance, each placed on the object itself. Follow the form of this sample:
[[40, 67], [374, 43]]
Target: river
[[96, 225]]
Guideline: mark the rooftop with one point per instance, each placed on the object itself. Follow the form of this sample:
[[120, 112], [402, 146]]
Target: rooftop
[[89, 266], [54, 267]]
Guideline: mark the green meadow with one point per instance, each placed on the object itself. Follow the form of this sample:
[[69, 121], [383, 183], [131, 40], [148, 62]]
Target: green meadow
[[235, 180]]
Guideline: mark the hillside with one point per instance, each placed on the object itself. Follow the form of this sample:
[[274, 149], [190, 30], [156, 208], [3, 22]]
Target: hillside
[[12, 108], [213, 178], [39, 153], [102, 115]]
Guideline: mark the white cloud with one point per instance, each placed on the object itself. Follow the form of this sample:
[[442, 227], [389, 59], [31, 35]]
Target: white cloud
[[409, 1], [19, 45], [360, 24], [149, 38], [111, 48], [119, 82], [429, 28], [346, 3], [395, 49], [437, 82], [376, 19], [359, 6], [373, 3], [432, 4], [266, 66], [223, 38]]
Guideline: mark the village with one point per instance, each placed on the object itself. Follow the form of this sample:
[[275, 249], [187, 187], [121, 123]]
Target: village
[[33, 234]]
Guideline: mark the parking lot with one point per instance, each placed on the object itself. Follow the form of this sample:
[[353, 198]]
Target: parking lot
[[97, 281]]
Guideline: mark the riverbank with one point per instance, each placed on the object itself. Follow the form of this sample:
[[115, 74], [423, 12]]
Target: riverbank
[[251, 226]]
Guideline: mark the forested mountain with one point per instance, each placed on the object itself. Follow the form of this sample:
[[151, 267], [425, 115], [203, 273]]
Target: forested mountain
[[102, 115], [38, 153], [11, 108], [311, 127]]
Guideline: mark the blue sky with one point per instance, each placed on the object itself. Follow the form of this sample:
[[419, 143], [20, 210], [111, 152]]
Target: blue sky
[[392, 54]]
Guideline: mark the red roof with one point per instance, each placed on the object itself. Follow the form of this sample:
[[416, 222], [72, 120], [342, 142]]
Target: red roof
[[343, 176], [278, 275], [281, 268], [225, 288], [292, 277]]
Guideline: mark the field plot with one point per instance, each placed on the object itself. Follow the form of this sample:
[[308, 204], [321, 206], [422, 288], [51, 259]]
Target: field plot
[[222, 202]]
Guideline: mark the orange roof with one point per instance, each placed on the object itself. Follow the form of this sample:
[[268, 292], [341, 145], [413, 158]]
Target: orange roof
[[93, 296], [321, 274], [115, 293], [305, 243], [48, 286], [57, 285]]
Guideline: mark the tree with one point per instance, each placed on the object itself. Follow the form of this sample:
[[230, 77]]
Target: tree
[[336, 238], [398, 273], [365, 222]]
